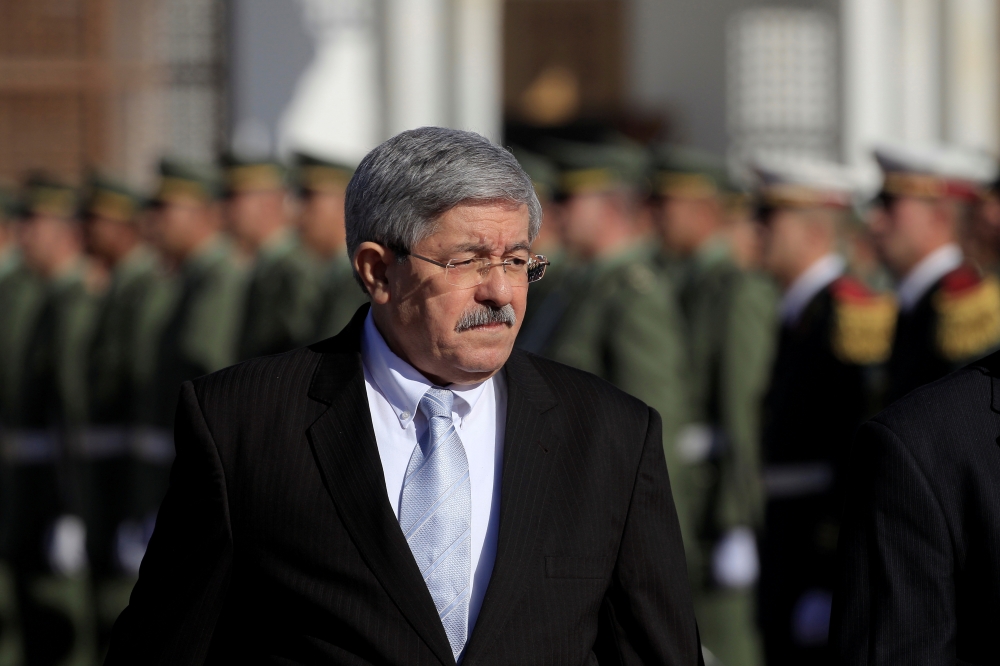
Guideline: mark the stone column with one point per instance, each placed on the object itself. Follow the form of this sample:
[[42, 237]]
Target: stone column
[[417, 74], [971, 82], [336, 110], [478, 26]]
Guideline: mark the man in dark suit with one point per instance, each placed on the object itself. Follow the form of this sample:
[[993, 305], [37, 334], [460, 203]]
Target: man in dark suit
[[411, 491], [920, 541]]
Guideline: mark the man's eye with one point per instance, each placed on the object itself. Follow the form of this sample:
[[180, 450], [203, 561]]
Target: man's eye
[[517, 261], [460, 264]]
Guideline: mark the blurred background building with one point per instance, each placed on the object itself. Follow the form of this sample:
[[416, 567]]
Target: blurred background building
[[117, 83]]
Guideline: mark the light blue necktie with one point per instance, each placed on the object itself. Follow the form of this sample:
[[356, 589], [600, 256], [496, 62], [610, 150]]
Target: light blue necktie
[[435, 514]]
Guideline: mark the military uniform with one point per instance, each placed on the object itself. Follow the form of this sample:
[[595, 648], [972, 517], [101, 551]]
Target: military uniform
[[729, 318], [19, 293], [545, 297], [117, 372], [949, 313], [615, 318], [619, 326], [198, 334], [42, 419], [833, 334], [340, 294], [283, 292]]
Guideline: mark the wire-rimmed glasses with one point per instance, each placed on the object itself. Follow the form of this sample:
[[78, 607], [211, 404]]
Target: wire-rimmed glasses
[[468, 273]]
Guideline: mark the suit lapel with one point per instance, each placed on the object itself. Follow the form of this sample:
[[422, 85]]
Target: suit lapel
[[529, 448], [343, 442]]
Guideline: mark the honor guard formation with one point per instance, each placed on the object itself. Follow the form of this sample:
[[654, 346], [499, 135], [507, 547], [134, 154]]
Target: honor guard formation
[[764, 309]]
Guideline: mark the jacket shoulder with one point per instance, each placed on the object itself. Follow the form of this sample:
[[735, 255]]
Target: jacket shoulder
[[265, 379], [946, 408], [864, 322], [569, 384]]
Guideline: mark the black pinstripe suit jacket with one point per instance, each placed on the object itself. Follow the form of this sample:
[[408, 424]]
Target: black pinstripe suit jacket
[[276, 543], [920, 543]]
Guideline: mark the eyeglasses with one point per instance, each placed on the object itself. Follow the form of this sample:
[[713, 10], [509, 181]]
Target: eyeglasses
[[470, 273]]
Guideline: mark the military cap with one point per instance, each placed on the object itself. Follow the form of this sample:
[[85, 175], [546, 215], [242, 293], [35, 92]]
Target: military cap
[[253, 174], [804, 183], [185, 181], [690, 173], [315, 174], [44, 194], [112, 200], [543, 173], [599, 167], [934, 171]]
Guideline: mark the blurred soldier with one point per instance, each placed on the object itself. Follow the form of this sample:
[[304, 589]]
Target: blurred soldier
[[43, 420], [15, 284], [949, 314], [618, 322], [118, 361], [283, 294], [729, 316], [322, 185], [547, 302], [832, 328], [200, 330]]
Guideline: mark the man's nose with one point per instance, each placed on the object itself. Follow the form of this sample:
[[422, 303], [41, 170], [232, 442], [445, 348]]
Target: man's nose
[[496, 287]]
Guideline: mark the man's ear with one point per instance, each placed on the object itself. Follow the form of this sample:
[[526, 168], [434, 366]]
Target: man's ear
[[372, 261]]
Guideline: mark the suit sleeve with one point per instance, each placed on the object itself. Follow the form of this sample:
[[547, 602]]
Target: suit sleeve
[[182, 583], [896, 598], [648, 615]]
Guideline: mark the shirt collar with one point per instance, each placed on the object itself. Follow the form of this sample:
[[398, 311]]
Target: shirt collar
[[922, 277], [815, 278], [401, 384]]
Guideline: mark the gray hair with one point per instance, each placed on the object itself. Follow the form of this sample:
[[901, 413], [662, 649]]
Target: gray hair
[[402, 186]]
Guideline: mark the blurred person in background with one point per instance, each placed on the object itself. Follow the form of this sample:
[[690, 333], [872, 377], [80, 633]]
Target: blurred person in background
[[619, 321], [45, 536], [949, 314], [729, 317], [200, 324], [546, 300], [119, 363], [322, 185], [832, 329], [17, 287], [283, 291]]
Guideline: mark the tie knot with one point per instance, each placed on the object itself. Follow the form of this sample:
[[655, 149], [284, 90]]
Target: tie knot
[[437, 402]]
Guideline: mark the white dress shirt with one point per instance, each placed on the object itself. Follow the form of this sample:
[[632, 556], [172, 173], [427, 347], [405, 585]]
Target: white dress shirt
[[812, 281], [922, 277], [394, 390]]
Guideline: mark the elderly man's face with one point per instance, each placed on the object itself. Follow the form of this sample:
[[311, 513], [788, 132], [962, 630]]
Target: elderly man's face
[[452, 333]]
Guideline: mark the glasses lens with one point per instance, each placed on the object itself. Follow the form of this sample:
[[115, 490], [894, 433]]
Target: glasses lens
[[466, 274], [536, 268]]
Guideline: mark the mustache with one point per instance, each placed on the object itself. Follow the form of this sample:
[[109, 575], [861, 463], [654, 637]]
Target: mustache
[[482, 314]]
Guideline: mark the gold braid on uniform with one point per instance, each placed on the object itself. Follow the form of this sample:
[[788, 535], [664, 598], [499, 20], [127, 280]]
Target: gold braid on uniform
[[968, 309], [863, 323]]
